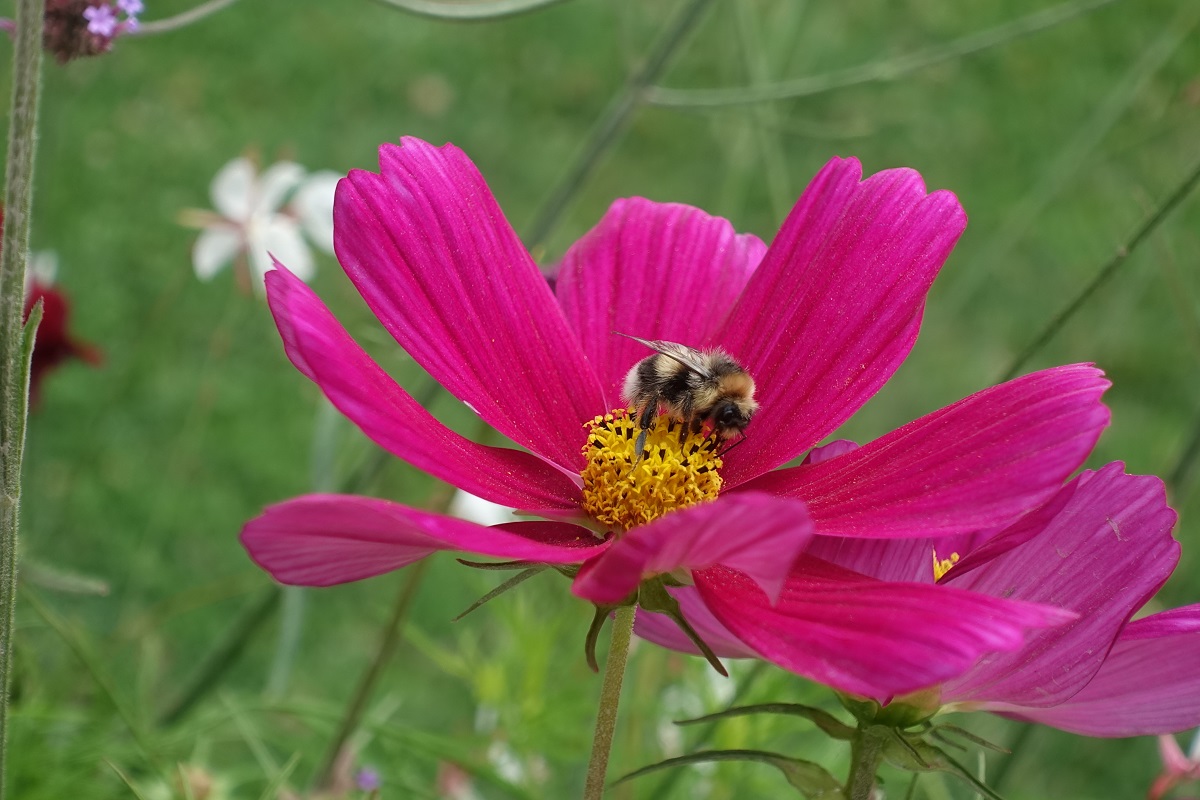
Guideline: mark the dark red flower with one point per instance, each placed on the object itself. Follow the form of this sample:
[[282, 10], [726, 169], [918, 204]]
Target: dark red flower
[[54, 343]]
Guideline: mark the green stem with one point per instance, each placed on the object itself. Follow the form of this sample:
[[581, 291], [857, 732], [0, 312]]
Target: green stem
[[610, 697], [866, 754], [886, 70], [182, 20], [225, 653], [612, 123], [700, 742], [1182, 190], [387, 645], [14, 364], [469, 12]]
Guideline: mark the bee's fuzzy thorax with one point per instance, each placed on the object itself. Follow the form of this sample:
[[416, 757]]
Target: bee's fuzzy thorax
[[693, 387]]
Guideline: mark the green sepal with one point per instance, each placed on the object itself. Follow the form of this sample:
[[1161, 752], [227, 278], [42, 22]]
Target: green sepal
[[813, 781], [900, 714], [28, 337], [828, 723], [939, 730], [653, 596], [915, 755], [515, 580], [593, 634], [497, 565]]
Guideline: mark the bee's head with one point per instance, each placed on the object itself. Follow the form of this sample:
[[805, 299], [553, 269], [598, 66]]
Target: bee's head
[[731, 416]]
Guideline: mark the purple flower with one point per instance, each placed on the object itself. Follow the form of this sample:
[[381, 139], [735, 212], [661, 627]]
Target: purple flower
[[368, 780], [821, 319], [131, 7], [101, 20]]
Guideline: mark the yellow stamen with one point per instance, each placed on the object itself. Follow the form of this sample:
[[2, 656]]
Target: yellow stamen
[[622, 491], [941, 567]]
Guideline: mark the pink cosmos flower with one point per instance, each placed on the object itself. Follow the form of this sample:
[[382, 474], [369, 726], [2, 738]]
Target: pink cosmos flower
[[1101, 547], [820, 319]]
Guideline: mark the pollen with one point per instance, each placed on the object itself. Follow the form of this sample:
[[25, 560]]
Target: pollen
[[622, 491], [942, 566]]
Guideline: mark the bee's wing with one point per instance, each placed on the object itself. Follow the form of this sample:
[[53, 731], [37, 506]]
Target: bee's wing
[[687, 356]]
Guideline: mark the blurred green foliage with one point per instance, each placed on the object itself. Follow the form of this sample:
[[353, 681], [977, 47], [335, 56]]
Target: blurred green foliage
[[141, 473]]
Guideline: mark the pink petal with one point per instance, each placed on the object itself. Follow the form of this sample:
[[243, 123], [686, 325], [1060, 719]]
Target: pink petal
[[865, 636], [835, 305], [885, 559], [976, 464], [325, 539], [655, 270], [663, 631], [320, 348], [1149, 683], [432, 254], [754, 533], [827, 451], [1102, 554]]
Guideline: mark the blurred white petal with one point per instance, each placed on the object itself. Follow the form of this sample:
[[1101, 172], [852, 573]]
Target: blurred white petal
[[214, 248], [42, 267], [475, 509], [279, 236], [276, 184], [233, 189], [313, 203]]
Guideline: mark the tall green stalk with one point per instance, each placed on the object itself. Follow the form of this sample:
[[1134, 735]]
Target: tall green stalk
[[14, 354], [866, 754], [610, 698]]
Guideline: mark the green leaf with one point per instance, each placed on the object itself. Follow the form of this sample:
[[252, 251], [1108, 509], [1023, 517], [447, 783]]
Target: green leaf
[[915, 755], [811, 779], [970, 737], [280, 778], [125, 779], [57, 579], [515, 580], [822, 719], [495, 564]]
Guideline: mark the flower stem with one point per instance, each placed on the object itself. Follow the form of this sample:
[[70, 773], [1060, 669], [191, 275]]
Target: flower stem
[[469, 12], [387, 645], [612, 123], [610, 697], [181, 20], [14, 364], [866, 754]]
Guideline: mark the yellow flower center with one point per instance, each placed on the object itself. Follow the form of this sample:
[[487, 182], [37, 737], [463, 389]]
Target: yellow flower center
[[941, 567], [623, 491]]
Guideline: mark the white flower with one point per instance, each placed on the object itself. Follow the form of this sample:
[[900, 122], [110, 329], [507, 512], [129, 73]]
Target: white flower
[[42, 268], [467, 506], [260, 216]]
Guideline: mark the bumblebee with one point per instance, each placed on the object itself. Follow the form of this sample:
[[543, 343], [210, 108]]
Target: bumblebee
[[694, 387]]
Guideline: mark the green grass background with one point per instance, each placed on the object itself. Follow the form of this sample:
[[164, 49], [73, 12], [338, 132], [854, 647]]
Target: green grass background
[[141, 473]]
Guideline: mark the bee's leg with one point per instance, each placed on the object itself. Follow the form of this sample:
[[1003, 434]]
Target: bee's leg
[[688, 425], [640, 446], [645, 419]]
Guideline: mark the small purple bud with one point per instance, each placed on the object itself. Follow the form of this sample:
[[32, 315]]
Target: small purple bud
[[101, 21], [368, 780], [131, 7]]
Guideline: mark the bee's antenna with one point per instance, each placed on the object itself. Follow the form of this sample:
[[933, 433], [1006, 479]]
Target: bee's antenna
[[741, 439]]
